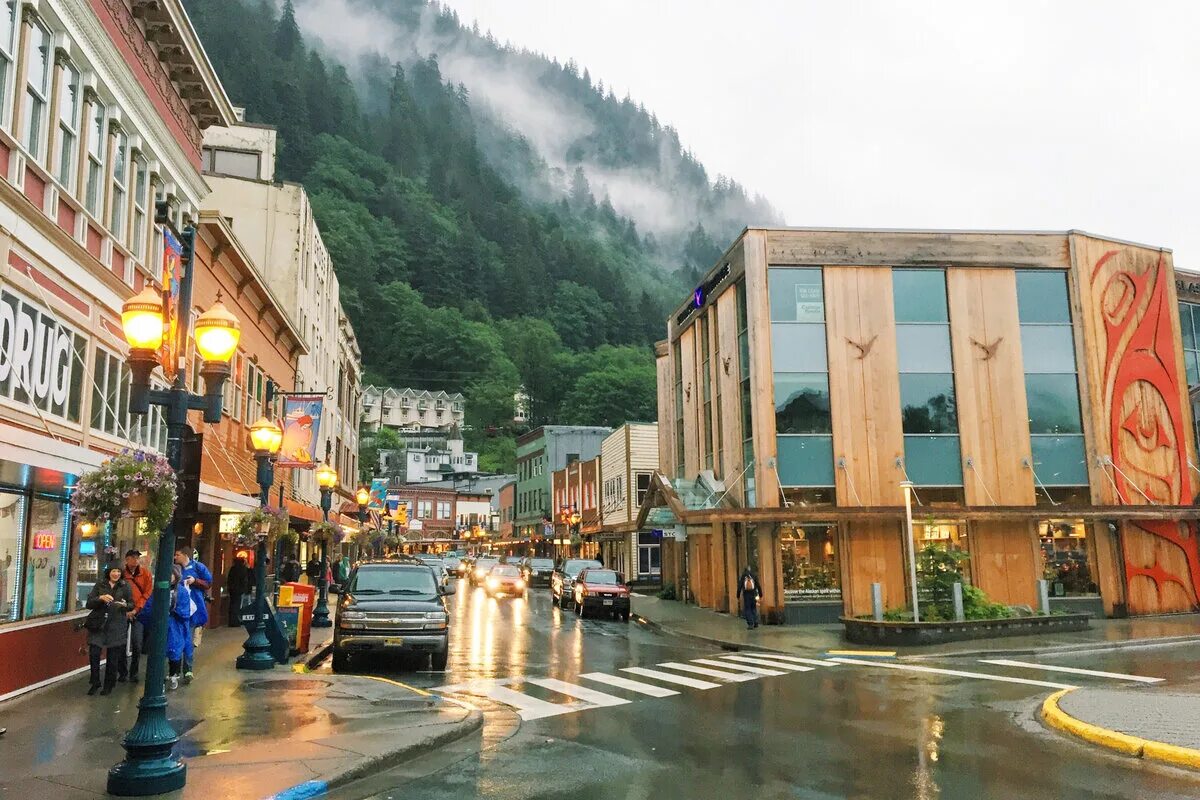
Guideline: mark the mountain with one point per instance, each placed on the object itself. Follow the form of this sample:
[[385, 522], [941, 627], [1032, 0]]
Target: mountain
[[477, 251]]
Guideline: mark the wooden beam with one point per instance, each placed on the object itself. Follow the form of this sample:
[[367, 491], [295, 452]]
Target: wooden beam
[[798, 515]]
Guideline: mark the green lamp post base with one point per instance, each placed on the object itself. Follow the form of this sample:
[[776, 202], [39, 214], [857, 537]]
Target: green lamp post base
[[150, 766]]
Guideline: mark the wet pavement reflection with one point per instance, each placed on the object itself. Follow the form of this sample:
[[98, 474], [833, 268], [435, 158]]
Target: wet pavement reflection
[[816, 731]]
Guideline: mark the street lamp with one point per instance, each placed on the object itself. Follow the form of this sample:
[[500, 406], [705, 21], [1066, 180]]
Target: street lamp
[[910, 547], [363, 497], [326, 479], [150, 765], [266, 436], [575, 519]]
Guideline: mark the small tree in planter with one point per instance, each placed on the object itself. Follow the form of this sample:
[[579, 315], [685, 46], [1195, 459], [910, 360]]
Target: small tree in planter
[[134, 483], [261, 522]]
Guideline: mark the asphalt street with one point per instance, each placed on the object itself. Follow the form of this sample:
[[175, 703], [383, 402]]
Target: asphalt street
[[599, 710]]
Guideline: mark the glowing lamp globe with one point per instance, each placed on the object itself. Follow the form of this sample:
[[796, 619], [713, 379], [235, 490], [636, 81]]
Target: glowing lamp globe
[[362, 496], [326, 476], [87, 528], [217, 334], [142, 320], [266, 436]]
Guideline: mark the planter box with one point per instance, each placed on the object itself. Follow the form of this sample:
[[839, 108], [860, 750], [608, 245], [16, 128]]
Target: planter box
[[915, 634]]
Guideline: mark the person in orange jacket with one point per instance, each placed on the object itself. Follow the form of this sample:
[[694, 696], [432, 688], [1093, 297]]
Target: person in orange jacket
[[141, 585]]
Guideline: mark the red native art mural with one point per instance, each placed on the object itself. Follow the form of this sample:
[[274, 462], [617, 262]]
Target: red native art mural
[[1142, 380]]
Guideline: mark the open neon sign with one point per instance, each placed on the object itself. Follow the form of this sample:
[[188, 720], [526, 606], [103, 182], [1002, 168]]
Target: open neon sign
[[43, 541]]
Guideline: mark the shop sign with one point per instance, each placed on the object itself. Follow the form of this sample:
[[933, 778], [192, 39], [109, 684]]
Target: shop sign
[[228, 523], [44, 541], [41, 360]]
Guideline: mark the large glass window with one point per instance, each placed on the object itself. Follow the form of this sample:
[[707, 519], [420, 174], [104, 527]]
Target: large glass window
[[802, 402], [46, 563], [12, 551], [1189, 323], [1065, 561], [110, 394], [120, 186], [69, 107], [1053, 403], [809, 557], [797, 295], [680, 449], [743, 325], [928, 409], [141, 196], [706, 391], [37, 89]]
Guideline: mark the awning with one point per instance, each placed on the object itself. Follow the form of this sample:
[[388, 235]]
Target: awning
[[298, 510]]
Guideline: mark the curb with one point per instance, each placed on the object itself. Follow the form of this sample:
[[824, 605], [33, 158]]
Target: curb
[[1082, 647], [1119, 742], [721, 643]]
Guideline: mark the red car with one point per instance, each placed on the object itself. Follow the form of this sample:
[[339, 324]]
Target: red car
[[602, 590], [505, 579]]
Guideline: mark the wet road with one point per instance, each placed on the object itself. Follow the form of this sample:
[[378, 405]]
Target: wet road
[[601, 710]]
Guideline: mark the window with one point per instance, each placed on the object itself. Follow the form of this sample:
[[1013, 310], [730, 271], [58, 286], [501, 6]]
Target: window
[[443, 509], [424, 509], [110, 394], [1065, 561], [743, 337], [45, 590], [12, 541], [141, 195], [120, 186], [706, 388], [8, 29], [37, 89], [643, 486], [1189, 322], [97, 146], [69, 108], [928, 410], [235, 163], [803, 423], [810, 562]]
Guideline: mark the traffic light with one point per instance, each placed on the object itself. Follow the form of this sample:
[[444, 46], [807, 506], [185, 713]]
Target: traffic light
[[402, 514]]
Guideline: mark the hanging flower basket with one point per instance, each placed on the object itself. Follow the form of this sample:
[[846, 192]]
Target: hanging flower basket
[[261, 521], [327, 531], [134, 483], [287, 536]]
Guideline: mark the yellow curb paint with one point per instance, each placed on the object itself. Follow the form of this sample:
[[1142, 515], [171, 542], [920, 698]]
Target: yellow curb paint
[[889, 653], [301, 668], [421, 692], [1115, 740]]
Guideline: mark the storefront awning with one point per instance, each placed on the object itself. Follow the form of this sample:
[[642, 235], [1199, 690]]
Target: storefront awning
[[298, 510]]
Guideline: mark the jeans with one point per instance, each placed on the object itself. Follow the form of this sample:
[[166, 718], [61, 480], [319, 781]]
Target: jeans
[[751, 613], [114, 665], [136, 632]]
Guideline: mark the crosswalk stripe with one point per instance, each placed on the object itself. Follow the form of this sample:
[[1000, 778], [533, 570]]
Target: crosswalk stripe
[[816, 662], [529, 708], [579, 692], [712, 673], [762, 662], [712, 662], [955, 672], [625, 683], [1121, 676], [667, 677]]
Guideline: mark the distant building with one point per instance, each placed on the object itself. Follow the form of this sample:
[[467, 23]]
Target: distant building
[[577, 491], [628, 460], [427, 463], [410, 409], [539, 453]]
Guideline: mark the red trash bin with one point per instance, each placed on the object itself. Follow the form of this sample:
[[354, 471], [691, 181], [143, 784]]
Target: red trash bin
[[305, 596]]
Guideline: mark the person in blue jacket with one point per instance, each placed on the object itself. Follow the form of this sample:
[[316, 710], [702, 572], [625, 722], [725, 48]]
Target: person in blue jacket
[[179, 631], [198, 579]]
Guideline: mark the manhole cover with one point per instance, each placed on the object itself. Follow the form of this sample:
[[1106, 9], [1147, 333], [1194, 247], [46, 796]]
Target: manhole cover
[[298, 685]]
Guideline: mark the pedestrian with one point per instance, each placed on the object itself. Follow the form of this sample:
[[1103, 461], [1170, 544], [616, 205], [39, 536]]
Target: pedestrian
[[313, 570], [196, 578], [750, 591], [179, 623], [141, 586], [290, 571], [107, 626], [237, 583]]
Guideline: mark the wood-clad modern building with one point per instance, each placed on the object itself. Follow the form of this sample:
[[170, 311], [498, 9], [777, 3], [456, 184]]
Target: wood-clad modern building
[[1032, 385]]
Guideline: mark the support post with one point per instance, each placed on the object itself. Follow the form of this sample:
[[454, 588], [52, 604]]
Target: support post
[[1043, 590], [877, 602], [959, 615]]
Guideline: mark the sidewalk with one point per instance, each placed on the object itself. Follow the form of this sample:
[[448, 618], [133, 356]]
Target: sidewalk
[[244, 735], [1154, 724], [725, 630]]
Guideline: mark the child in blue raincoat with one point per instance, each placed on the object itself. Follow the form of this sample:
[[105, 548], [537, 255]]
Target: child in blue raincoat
[[179, 633]]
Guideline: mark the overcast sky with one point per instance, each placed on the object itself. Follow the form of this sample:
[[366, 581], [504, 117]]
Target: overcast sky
[[1016, 115]]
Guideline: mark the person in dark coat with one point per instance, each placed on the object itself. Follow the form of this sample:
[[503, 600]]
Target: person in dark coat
[[237, 583], [289, 571], [110, 600], [750, 591], [313, 570]]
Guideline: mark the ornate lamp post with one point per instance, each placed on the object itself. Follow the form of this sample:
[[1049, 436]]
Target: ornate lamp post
[[363, 497], [574, 519], [327, 478], [150, 765], [266, 436]]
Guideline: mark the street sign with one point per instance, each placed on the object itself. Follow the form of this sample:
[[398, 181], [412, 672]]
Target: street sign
[[416, 525]]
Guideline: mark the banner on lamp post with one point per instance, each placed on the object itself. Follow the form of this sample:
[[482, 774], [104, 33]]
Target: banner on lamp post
[[378, 493], [171, 279], [301, 427]]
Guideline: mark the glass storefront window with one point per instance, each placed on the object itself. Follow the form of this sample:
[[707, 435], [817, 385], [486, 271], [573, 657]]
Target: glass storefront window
[[12, 536], [1065, 558], [87, 563], [1048, 348], [799, 348], [920, 295], [46, 562], [805, 460], [927, 403], [924, 348], [802, 402], [1053, 403], [944, 535], [797, 295], [933, 460], [809, 557], [1059, 460]]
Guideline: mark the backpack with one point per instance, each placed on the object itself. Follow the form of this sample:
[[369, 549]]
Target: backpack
[[748, 584]]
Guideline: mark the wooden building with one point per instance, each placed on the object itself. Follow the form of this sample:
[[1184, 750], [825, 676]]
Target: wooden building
[[628, 460], [1031, 385], [576, 490]]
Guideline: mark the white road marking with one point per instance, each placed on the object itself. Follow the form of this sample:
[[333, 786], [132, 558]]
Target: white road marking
[[762, 662], [712, 673], [528, 707], [955, 672], [712, 662], [816, 662], [1121, 676], [625, 683], [599, 699], [668, 677]]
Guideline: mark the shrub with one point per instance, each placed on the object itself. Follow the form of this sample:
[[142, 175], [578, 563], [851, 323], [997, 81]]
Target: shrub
[[667, 592]]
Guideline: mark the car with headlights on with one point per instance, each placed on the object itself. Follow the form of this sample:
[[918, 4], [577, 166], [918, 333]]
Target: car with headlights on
[[505, 579], [450, 561], [480, 569], [538, 571], [603, 591], [563, 578], [392, 607]]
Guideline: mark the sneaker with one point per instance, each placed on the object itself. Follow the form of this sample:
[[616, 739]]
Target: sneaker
[[95, 687], [187, 676], [173, 682]]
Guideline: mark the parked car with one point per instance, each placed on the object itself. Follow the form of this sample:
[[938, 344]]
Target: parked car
[[480, 569], [602, 590], [395, 606], [451, 561], [564, 576], [505, 579], [435, 562], [537, 571]]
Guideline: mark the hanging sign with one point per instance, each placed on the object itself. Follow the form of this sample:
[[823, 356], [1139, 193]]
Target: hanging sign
[[301, 426], [171, 279]]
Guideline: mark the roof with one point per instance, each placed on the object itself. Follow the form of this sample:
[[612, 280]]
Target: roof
[[180, 49]]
